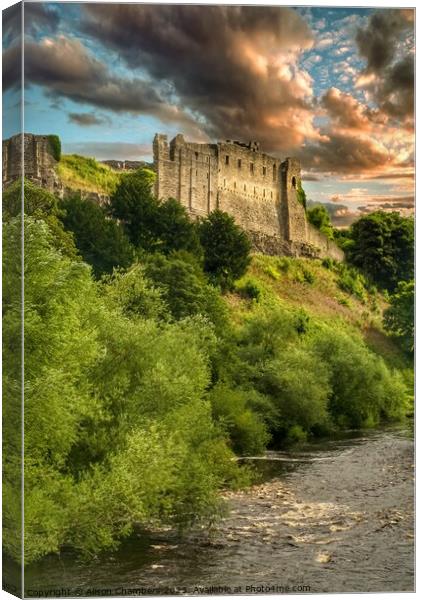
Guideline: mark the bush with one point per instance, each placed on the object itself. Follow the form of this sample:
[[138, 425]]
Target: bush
[[320, 218], [232, 408], [250, 289], [359, 380], [309, 277]]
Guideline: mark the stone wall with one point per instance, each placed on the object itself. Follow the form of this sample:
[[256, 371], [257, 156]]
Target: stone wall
[[39, 163], [258, 190]]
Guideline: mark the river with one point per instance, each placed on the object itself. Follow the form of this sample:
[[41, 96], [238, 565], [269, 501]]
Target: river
[[328, 516]]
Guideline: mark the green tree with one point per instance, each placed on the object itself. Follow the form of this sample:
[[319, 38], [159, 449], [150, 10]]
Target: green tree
[[134, 205], [184, 287], [100, 240], [383, 247], [399, 317], [40, 204], [320, 218], [175, 230], [226, 248]]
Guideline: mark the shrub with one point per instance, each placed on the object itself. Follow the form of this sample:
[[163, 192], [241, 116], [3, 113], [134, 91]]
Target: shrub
[[309, 277], [246, 428], [359, 380], [250, 288]]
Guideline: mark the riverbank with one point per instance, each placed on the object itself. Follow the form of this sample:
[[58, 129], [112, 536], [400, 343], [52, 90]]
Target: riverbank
[[336, 516]]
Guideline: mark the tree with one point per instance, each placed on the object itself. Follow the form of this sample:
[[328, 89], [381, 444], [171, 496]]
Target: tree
[[383, 247], [184, 287], [226, 248], [134, 205], [42, 205], [399, 317], [320, 218], [100, 240], [175, 230]]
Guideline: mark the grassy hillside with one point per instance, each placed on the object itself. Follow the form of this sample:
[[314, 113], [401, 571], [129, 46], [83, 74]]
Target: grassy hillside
[[324, 291], [82, 173]]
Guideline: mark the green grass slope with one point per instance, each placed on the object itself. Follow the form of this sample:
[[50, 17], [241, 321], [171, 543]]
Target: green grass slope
[[322, 290]]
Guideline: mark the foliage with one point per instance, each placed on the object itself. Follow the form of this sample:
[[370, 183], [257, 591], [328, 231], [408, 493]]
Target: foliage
[[117, 427], [249, 288], [135, 295], [320, 218], [226, 248], [55, 146], [175, 230], [101, 241], [301, 196], [87, 174], [40, 204], [363, 390], [233, 409], [184, 288], [399, 317], [133, 204], [383, 247]]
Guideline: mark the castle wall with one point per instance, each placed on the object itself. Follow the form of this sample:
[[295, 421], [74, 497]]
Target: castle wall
[[258, 190], [38, 161]]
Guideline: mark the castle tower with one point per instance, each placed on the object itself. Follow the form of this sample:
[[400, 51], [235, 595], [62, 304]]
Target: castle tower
[[39, 162], [293, 212]]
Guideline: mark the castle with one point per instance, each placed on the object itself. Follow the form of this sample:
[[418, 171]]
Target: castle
[[258, 190]]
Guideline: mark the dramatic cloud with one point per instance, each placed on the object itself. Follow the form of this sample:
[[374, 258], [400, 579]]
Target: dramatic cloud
[[345, 110], [86, 119], [387, 45], [345, 154], [67, 69], [40, 16], [234, 67]]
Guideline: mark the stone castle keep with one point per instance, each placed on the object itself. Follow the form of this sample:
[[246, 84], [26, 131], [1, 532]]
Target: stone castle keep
[[258, 190]]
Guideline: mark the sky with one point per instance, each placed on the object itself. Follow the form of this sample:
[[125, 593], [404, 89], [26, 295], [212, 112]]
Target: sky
[[331, 86]]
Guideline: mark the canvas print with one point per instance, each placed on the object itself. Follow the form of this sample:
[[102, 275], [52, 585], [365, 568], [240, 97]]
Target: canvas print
[[208, 299]]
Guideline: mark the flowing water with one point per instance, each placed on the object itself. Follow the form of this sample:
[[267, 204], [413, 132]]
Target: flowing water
[[331, 516]]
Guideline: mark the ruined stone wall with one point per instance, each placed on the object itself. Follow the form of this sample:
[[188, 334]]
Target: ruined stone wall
[[258, 190], [39, 163]]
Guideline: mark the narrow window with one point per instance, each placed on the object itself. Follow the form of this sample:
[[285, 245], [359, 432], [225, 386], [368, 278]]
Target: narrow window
[[251, 168], [271, 194], [294, 182], [264, 192], [227, 160], [239, 163], [245, 187], [264, 170], [254, 191], [225, 182], [274, 172], [235, 185], [196, 172], [197, 155]]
